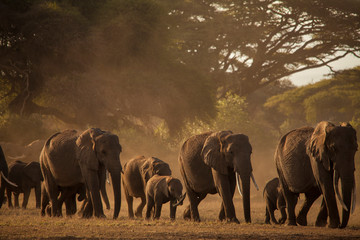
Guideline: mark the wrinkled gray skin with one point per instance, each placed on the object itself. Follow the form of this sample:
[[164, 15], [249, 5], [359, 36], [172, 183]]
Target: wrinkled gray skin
[[160, 190], [26, 176], [274, 199], [307, 160], [4, 181], [67, 195], [70, 158], [208, 163], [137, 173]]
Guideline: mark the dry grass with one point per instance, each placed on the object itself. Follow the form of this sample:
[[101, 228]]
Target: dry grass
[[28, 224]]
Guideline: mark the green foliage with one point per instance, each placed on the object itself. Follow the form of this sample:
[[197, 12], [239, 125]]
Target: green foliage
[[335, 99]]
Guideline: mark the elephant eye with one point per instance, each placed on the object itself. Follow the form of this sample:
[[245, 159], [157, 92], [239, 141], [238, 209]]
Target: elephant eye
[[103, 152]]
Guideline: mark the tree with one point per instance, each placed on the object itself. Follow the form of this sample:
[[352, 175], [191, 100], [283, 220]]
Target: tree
[[246, 45], [336, 99], [103, 63]]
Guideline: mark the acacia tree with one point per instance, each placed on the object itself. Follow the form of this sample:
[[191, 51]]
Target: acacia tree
[[245, 45]]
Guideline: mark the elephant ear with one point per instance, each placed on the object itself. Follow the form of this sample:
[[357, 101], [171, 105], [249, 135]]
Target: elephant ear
[[317, 147], [147, 169], [211, 152], [86, 144], [33, 171]]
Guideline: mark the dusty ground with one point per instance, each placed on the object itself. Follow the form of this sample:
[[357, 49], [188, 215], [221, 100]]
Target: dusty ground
[[28, 224]]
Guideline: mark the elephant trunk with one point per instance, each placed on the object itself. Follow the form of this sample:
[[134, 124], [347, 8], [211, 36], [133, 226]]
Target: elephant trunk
[[116, 179], [245, 187], [347, 186]]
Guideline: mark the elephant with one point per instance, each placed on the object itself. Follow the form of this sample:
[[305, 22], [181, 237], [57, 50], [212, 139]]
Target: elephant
[[70, 158], [160, 190], [4, 181], [274, 199], [28, 153], [214, 162], [26, 176], [67, 195], [137, 172], [311, 161]]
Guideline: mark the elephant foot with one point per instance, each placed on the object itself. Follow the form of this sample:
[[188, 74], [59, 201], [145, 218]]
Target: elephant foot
[[291, 223], [321, 223], [282, 220], [301, 220], [267, 221], [233, 220], [333, 224], [138, 214], [187, 215]]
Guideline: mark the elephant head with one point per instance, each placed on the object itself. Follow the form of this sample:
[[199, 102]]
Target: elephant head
[[153, 166], [175, 191], [224, 152], [333, 148], [97, 149]]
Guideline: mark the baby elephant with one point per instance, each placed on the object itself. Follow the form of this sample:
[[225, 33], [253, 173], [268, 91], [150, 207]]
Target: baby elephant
[[274, 200], [160, 190], [26, 176]]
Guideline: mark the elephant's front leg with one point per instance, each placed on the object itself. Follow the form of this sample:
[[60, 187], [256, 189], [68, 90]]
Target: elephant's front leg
[[26, 198], [310, 198], [8, 194], [149, 205], [93, 193], [172, 211], [223, 187], [129, 200], [158, 206]]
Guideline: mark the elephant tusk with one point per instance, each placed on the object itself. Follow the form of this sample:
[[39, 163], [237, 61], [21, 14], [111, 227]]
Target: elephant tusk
[[7, 180], [253, 179], [336, 186], [237, 176], [353, 204], [107, 176]]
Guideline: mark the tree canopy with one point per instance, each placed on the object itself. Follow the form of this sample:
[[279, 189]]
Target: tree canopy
[[336, 99], [141, 63]]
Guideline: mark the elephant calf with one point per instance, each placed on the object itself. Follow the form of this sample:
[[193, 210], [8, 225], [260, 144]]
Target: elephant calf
[[26, 176], [137, 173], [160, 190], [274, 200]]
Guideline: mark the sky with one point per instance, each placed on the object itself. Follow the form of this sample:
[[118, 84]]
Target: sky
[[317, 74]]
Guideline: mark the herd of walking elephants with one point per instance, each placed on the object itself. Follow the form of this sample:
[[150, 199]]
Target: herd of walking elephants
[[75, 165]]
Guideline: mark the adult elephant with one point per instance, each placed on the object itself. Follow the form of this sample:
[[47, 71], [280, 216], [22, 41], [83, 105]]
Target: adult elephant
[[26, 176], [137, 172], [70, 158], [209, 163], [312, 161], [4, 181]]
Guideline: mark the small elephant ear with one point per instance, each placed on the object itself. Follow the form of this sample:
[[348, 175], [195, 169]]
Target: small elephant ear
[[86, 148], [147, 169], [317, 147], [33, 171], [211, 152]]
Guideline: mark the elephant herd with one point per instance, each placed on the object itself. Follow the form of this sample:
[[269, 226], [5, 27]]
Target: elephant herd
[[308, 160]]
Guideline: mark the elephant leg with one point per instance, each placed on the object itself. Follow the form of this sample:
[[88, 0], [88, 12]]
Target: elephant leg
[[291, 201], [267, 216], [102, 177], [44, 200], [26, 198], [88, 209], [149, 205], [38, 195], [16, 200], [158, 206], [129, 200], [192, 212], [232, 182], [8, 193], [70, 204], [172, 211], [224, 189], [310, 198], [53, 193], [321, 219], [139, 209], [93, 188], [283, 215]]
